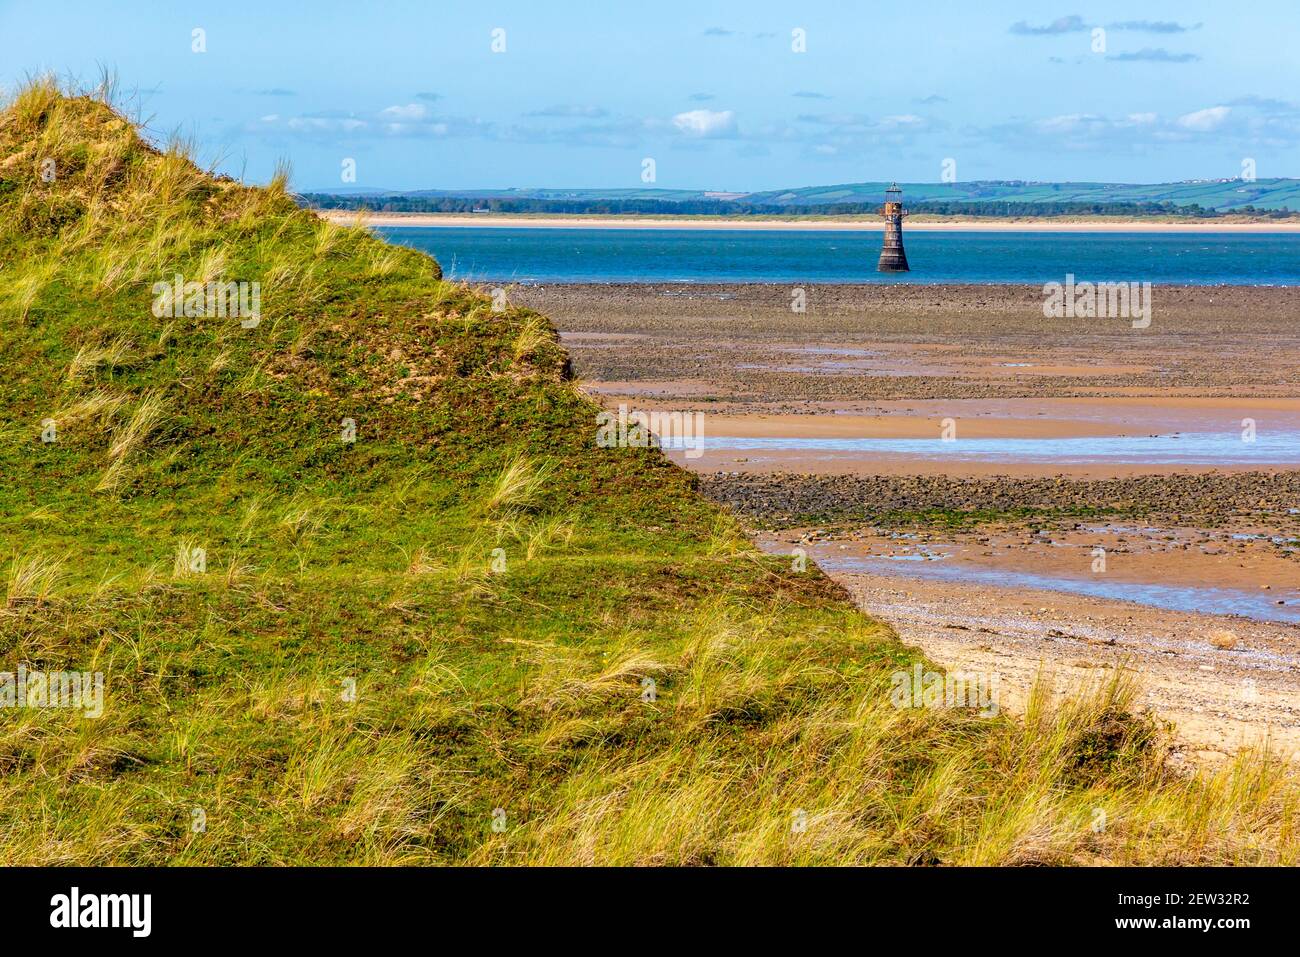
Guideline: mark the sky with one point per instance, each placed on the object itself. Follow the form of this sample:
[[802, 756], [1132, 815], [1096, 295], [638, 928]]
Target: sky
[[735, 96]]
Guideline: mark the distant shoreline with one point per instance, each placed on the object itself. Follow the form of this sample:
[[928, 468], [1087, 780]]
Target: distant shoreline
[[857, 224]]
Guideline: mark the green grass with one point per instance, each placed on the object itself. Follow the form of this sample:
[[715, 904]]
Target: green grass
[[391, 639]]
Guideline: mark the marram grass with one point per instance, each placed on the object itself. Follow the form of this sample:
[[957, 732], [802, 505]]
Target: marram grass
[[363, 588]]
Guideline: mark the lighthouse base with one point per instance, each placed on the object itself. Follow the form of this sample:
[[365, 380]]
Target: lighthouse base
[[893, 259]]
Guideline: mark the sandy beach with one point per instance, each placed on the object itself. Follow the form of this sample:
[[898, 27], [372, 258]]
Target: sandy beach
[[1219, 699], [863, 224], [984, 552]]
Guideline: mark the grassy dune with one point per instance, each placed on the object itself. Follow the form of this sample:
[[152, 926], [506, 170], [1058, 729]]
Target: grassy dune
[[432, 645]]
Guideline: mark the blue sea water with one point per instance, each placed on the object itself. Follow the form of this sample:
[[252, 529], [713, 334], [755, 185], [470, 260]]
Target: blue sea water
[[1207, 600], [534, 255], [1281, 447]]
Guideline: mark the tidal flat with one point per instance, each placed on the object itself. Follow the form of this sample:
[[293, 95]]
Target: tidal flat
[[1110, 497]]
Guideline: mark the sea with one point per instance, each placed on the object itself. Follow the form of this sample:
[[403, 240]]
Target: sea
[[542, 255]]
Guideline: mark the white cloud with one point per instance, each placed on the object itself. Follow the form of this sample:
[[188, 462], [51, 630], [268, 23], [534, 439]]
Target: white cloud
[[325, 124], [431, 129], [706, 123], [411, 120], [411, 111], [1203, 121], [905, 120], [1070, 123], [569, 111], [1242, 129]]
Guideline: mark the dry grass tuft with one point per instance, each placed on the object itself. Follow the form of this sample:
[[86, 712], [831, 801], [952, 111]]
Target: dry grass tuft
[[113, 354], [517, 486], [98, 409], [533, 335], [33, 579], [145, 418], [190, 559]]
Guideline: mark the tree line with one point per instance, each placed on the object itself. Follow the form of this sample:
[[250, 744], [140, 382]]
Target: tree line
[[712, 207]]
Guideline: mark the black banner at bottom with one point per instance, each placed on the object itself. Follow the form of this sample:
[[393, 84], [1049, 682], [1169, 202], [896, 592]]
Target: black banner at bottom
[[335, 906]]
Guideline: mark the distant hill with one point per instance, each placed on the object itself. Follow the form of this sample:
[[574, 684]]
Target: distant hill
[[988, 197], [1218, 195]]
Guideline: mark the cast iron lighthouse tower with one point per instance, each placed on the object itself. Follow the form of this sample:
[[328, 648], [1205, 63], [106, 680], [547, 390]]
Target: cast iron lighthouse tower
[[892, 256]]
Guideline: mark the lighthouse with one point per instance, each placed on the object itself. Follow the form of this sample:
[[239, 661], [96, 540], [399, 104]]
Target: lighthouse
[[892, 256]]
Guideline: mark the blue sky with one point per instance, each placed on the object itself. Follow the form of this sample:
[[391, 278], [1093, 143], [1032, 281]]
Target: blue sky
[[715, 93]]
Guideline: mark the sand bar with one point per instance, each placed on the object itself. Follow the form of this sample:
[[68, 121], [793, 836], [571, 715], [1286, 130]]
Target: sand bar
[[804, 225]]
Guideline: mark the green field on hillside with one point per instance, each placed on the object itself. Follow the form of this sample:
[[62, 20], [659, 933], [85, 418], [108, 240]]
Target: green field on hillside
[[363, 588]]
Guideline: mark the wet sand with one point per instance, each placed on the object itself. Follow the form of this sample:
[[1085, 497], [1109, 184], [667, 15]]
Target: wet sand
[[1217, 699], [985, 559], [854, 345], [876, 362]]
